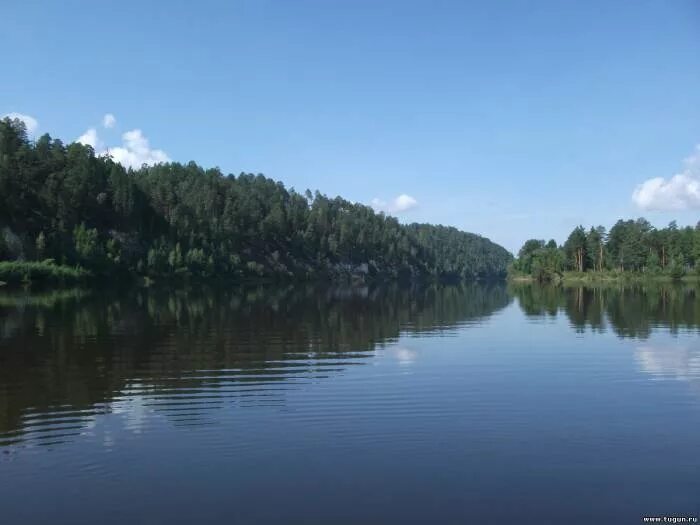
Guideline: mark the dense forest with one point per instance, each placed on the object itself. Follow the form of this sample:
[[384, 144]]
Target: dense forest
[[632, 247], [68, 213]]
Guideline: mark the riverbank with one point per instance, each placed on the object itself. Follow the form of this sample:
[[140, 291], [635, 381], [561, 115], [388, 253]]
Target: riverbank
[[41, 272], [606, 277], [48, 274]]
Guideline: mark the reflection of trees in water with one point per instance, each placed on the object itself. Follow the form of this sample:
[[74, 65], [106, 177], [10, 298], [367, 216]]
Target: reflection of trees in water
[[631, 311], [65, 357]]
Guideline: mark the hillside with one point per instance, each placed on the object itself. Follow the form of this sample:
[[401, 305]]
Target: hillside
[[62, 202]]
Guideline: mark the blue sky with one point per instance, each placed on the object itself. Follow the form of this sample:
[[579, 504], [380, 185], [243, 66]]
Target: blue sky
[[511, 119]]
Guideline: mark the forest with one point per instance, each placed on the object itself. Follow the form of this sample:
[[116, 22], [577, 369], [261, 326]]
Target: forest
[[632, 248], [67, 214]]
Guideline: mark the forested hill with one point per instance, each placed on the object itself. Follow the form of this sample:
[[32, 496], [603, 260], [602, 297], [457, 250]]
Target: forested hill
[[64, 203]]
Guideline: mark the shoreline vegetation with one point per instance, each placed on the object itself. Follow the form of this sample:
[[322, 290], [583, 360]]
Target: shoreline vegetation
[[68, 215], [632, 251], [595, 277], [27, 272]]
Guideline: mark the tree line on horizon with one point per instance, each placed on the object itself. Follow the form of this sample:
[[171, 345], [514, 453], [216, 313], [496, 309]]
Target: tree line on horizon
[[630, 247], [63, 206]]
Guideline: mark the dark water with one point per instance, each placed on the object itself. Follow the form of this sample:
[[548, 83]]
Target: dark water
[[471, 404]]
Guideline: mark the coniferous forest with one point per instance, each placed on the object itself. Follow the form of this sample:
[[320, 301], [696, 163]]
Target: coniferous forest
[[631, 248], [67, 214]]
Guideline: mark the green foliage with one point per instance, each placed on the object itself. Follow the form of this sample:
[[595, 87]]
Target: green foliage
[[695, 260], [527, 253], [632, 247], [653, 264], [596, 252], [182, 220], [16, 272], [544, 262], [87, 245], [676, 269], [575, 249]]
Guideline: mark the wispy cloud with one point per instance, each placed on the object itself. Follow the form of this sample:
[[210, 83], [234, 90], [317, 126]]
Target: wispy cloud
[[109, 120], [680, 192], [400, 204], [30, 122]]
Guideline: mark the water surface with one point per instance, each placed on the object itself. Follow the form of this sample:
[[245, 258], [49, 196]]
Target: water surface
[[425, 404]]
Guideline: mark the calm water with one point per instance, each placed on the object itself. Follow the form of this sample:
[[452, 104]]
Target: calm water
[[472, 404]]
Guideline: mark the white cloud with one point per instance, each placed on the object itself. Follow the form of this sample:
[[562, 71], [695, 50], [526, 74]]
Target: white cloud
[[136, 151], [400, 204], [680, 192], [404, 203], [109, 120], [90, 138], [31, 123]]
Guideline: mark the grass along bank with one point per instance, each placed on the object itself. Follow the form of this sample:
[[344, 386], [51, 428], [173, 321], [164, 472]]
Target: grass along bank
[[604, 276], [47, 271]]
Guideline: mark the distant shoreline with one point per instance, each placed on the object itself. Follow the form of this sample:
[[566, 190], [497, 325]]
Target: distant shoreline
[[605, 277], [48, 274]]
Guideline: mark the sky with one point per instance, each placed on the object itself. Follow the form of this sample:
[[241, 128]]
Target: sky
[[511, 119]]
